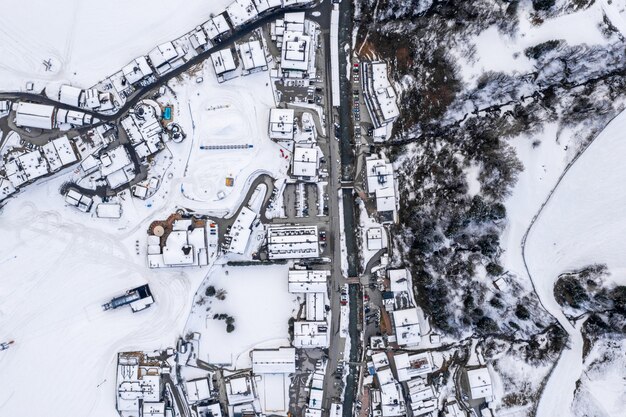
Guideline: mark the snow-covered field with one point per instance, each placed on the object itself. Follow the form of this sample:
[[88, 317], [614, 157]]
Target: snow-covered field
[[583, 223], [257, 297], [87, 41], [57, 269]]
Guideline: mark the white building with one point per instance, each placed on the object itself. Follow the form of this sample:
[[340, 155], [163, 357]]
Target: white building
[[305, 162], [185, 245], [274, 361], [137, 70], [310, 334], [78, 200], [138, 386], [223, 63], [380, 97], [292, 242], [116, 167], [40, 116], [144, 129], [479, 381], [241, 12], [298, 45], [282, 124], [308, 281], [198, 390], [253, 57], [374, 237], [6, 188], [411, 366], [421, 396], [164, 57], [241, 230], [70, 95], [406, 326], [59, 153], [199, 39], [381, 183], [216, 27]]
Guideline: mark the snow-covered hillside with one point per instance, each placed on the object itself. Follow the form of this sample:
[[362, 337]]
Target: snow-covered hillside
[[86, 42]]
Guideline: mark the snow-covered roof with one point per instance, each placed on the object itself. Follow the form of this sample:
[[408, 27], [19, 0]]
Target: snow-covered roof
[[198, 390], [252, 55], [223, 61], [380, 97], [398, 279], [281, 124], [6, 188], [407, 328], [137, 70], [70, 95], [292, 242], [308, 334], [241, 11], [33, 164], [183, 247], [480, 383], [241, 230], [163, 55], [315, 305], [374, 238], [305, 161], [305, 281], [114, 160], [198, 38], [216, 26], [295, 51], [411, 366], [274, 361], [39, 116]]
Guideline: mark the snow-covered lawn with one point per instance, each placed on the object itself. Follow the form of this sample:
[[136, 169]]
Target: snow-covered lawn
[[257, 297], [88, 40]]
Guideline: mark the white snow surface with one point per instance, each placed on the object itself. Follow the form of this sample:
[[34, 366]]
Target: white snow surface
[[583, 223], [56, 273], [88, 41], [259, 300]]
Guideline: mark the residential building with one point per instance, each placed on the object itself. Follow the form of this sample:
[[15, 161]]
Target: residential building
[[292, 242], [282, 124]]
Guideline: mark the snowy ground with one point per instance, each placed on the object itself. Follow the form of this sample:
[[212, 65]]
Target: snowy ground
[[87, 41], [235, 112], [583, 223], [259, 300], [58, 267], [603, 389]]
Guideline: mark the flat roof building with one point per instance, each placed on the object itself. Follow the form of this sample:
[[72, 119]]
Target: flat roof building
[[216, 26], [241, 12], [274, 361], [407, 328], [479, 381], [381, 183], [292, 242], [282, 124], [253, 57], [310, 334], [305, 162], [308, 281], [380, 97], [223, 63], [40, 116], [241, 230]]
